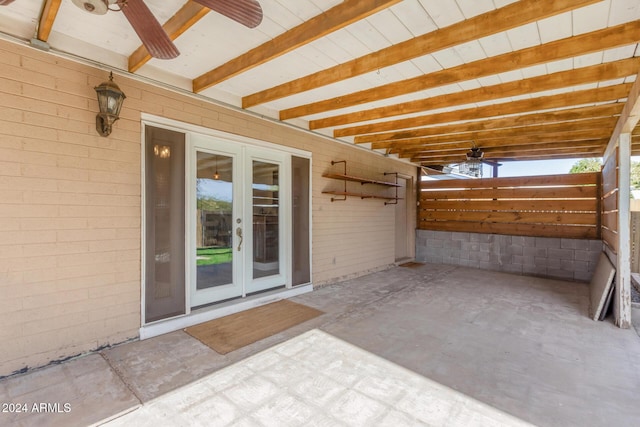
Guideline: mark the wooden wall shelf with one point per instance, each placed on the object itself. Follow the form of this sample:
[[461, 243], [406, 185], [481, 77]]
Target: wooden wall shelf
[[362, 196], [351, 178]]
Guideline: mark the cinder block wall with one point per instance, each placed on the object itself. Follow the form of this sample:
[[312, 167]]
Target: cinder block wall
[[568, 259], [70, 204]]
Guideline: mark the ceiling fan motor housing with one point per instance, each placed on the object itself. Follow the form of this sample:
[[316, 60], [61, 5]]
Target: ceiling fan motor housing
[[97, 7], [475, 153]]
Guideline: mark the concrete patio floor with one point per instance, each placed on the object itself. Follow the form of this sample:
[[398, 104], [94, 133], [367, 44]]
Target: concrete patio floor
[[506, 349]]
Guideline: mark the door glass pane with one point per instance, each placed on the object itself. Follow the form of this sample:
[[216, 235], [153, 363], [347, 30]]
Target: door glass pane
[[164, 224], [214, 225], [300, 213], [266, 227]]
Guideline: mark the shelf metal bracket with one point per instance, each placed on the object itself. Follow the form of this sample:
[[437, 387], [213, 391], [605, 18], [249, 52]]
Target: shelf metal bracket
[[395, 202], [333, 199]]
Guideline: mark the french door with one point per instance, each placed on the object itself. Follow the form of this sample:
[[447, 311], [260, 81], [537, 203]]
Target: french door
[[238, 219]]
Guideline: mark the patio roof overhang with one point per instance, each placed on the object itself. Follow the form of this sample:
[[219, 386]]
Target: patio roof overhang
[[423, 81]]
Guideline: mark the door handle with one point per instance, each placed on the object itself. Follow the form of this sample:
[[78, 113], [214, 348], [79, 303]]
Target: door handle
[[239, 233]]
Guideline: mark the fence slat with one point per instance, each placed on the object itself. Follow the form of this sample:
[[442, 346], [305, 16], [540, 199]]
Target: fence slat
[[590, 205], [610, 220], [546, 206], [610, 174], [610, 238], [591, 178], [518, 217], [610, 202], [535, 230], [513, 193]]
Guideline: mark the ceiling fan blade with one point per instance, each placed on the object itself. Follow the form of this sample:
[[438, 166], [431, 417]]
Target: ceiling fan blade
[[153, 36], [245, 12], [5, 2]]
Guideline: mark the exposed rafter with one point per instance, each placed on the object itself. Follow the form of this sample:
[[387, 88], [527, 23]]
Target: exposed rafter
[[588, 96], [488, 146], [184, 19], [505, 18], [583, 44], [474, 129], [520, 155], [630, 116], [49, 13], [586, 129], [338, 17], [559, 80], [504, 151], [534, 77], [563, 136]]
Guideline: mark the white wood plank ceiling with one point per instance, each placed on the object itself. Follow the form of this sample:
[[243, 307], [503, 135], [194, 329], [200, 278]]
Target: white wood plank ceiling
[[423, 80]]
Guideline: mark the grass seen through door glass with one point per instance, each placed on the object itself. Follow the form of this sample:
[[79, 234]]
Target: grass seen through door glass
[[209, 256]]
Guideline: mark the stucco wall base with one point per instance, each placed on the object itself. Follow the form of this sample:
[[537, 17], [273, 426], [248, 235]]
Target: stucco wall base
[[34, 362], [324, 283], [557, 258]]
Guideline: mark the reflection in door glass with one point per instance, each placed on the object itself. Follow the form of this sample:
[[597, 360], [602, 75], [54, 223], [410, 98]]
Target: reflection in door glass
[[266, 190], [164, 224], [214, 242]]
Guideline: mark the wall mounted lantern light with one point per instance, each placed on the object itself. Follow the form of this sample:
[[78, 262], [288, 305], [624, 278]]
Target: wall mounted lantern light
[[110, 99]]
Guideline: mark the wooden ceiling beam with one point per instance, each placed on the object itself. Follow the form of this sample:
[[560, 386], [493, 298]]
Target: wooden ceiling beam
[[376, 131], [596, 41], [432, 163], [475, 129], [581, 140], [565, 100], [559, 140], [503, 19], [48, 17], [511, 156], [630, 116], [184, 19], [345, 13], [586, 154], [515, 155], [515, 152], [559, 80], [494, 138], [542, 135], [499, 138], [596, 144]]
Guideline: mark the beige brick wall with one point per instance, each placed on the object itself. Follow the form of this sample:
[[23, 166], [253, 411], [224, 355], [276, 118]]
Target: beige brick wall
[[70, 212]]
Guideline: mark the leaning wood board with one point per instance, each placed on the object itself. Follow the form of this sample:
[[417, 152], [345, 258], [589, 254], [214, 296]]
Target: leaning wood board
[[600, 285]]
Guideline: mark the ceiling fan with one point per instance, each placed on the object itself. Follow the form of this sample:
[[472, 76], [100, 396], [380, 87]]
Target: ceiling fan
[[473, 164], [475, 159], [151, 33], [475, 153]]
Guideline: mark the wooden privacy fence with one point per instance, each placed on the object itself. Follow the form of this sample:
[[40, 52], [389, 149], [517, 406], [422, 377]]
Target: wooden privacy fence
[[543, 206]]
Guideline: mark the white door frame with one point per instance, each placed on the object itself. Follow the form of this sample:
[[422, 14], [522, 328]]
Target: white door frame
[[284, 224], [151, 329], [243, 282], [199, 143]]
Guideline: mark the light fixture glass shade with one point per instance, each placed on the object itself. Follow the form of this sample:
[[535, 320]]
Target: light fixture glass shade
[[473, 165], [110, 99]]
